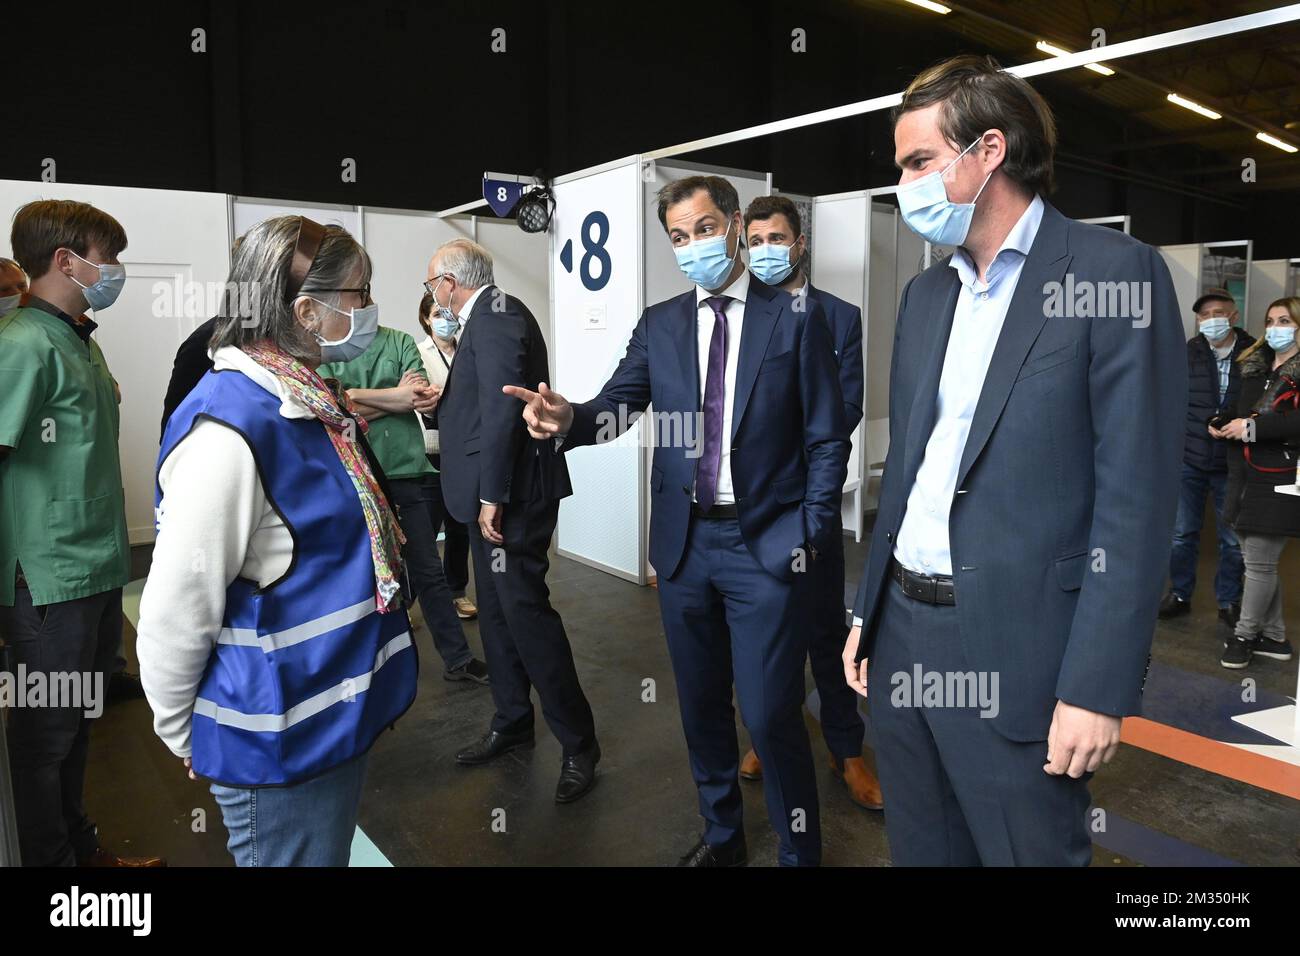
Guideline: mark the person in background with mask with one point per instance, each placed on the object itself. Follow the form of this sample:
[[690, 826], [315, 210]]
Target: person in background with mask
[[273, 644], [63, 545], [1025, 510], [437, 351], [1213, 382], [740, 512], [13, 283], [1264, 453], [387, 387], [508, 489], [778, 255]]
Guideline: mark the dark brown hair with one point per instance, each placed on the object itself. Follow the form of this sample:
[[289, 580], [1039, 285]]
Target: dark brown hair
[[43, 226], [720, 190], [426, 306], [977, 96], [765, 207]]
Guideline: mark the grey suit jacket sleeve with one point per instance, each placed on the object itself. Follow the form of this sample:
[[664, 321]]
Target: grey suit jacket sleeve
[[1137, 401]]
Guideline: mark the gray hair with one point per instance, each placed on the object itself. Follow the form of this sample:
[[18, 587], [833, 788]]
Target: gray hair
[[468, 262], [256, 307]]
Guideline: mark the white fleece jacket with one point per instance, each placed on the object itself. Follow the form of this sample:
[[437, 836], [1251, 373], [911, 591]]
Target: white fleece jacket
[[215, 525]]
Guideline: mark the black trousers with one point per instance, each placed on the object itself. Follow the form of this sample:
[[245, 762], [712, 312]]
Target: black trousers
[[48, 745], [957, 792], [523, 636], [455, 546], [417, 503], [842, 724]]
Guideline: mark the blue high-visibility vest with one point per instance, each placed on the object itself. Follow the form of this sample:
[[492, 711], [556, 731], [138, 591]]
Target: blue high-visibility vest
[[306, 671]]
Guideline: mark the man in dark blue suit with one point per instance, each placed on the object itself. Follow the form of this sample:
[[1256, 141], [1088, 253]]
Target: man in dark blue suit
[[778, 256], [738, 515], [1037, 391]]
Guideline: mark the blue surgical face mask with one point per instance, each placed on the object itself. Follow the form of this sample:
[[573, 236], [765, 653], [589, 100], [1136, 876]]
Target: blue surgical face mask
[[361, 332], [771, 262], [1280, 337], [705, 261], [105, 291], [9, 303], [930, 214], [1215, 329], [444, 328]]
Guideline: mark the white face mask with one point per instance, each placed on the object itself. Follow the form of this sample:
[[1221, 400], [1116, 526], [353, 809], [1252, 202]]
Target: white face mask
[[9, 303]]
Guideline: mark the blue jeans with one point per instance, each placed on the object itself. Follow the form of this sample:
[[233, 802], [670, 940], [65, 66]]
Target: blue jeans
[[1196, 482], [304, 824]]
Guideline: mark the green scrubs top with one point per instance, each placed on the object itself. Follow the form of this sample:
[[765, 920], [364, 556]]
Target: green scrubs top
[[397, 440], [62, 510]]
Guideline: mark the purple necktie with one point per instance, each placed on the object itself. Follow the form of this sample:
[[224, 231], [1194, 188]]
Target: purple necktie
[[715, 391]]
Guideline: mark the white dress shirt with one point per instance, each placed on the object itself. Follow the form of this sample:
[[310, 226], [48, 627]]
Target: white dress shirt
[[704, 322], [923, 543]]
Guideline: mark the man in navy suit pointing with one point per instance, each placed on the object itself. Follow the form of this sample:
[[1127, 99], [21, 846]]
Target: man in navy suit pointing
[[738, 516]]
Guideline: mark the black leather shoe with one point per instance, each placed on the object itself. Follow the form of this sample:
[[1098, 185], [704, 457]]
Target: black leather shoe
[[492, 745], [577, 775], [1173, 606], [702, 854]]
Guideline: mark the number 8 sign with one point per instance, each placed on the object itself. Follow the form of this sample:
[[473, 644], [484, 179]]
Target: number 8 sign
[[593, 235]]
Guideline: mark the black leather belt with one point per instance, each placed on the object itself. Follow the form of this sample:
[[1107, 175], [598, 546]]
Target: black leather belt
[[714, 512], [930, 588]]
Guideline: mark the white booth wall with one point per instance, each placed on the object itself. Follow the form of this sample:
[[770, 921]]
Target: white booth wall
[[1268, 282]]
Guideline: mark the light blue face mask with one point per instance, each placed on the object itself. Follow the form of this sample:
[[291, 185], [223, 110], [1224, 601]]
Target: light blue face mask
[[1280, 337], [1215, 329], [9, 303], [445, 322], [928, 212], [364, 326], [705, 261], [105, 291], [771, 262]]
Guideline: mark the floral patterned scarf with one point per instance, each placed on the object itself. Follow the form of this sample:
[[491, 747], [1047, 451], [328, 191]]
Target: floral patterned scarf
[[335, 413]]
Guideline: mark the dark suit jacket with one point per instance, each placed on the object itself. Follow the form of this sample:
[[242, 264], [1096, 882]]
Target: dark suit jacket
[[1071, 467], [788, 447], [845, 322], [486, 452]]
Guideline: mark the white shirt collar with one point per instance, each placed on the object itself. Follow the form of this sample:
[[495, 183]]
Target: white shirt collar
[[738, 290], [1019, 240], [230, 358], [469, 305]]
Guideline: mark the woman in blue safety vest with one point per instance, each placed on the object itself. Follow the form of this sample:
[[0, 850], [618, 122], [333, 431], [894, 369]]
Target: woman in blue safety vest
[[273, 643]]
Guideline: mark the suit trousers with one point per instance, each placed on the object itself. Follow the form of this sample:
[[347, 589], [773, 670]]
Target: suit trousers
[[728, 621], [523, 637], [957, 792]]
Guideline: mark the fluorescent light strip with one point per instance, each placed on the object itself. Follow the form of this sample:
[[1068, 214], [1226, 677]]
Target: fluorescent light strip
[[1274, 141], [1187, 104], [930, 5], [1055, 50]]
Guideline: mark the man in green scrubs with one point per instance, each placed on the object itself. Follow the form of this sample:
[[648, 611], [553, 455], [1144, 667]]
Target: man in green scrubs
[[63, 546], [387, 385]]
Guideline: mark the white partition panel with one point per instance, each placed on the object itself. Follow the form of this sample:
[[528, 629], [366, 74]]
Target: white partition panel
[[247, 211], [178, 254], [1184, 263], [520, 263], [595, 290], [1268, 280]]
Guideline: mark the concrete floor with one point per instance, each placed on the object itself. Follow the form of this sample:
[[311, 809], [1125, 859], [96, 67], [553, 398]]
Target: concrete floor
[[422, 809]]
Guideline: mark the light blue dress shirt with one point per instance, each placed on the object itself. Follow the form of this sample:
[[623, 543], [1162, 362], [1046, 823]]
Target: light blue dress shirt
[[922, 543]]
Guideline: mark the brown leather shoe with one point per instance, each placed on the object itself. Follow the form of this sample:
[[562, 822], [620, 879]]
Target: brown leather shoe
[[102, 857], [864, 788], [465, 609], [751, 768]]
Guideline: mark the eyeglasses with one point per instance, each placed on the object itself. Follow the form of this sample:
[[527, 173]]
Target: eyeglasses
[[364, 292], [431, 284]]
